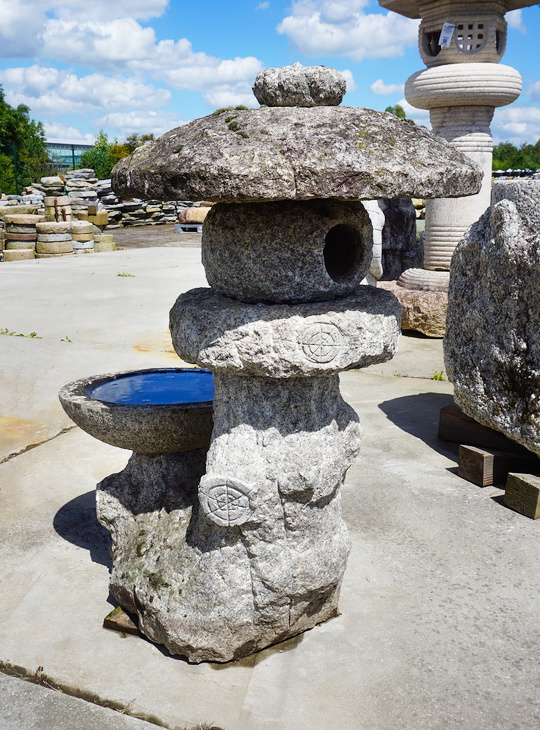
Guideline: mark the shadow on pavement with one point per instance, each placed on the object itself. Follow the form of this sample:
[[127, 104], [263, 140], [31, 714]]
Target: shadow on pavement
[[77, 523], [419, 416]]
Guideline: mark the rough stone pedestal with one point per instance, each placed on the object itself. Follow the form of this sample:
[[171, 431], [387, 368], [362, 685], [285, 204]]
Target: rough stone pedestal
[[423, 310], [262, 556]]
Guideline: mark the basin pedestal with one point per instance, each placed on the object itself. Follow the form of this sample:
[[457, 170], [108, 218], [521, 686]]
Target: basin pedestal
[[258, 555]]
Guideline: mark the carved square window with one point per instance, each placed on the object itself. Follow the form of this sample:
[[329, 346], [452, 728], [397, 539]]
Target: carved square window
[[470, 39]]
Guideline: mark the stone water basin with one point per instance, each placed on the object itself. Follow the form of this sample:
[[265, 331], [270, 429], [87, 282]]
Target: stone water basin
[[155, 411]]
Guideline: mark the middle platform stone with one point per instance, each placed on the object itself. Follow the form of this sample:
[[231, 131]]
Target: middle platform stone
[[285, 341]]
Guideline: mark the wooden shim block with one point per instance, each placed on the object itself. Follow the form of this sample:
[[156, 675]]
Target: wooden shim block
[[523, 494], [456, 426], [119, 620], [486, 467]]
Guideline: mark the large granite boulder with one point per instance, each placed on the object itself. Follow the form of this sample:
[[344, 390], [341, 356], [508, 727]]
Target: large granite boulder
[[294, 153], [492, 343]]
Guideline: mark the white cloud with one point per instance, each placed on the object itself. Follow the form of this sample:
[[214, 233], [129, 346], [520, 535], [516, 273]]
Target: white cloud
[[516, 124], [379, 87], [263, 6], [515, 20], [26, 25], [112, 9], [183, 69], [231, 96], [124, 45], [144, 122], [105, 46], [533, 91], [20, 25], [349, 78], [52, 91], [77, 34], [341, 28], [56, 132]]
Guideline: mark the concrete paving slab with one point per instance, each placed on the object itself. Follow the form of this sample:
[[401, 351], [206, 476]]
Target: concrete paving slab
[[24, 706], [439, 620], [439, 603]]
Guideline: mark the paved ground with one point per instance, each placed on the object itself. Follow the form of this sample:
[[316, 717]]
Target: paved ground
[[439, 625], [151, 236]]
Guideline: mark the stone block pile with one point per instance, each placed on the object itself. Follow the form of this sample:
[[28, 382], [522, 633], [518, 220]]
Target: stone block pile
[[81, 188], [50, 186], [192, 219], [83, 236], [57, 208], [20, 236], [53, 239], [31, 198], [138, 212], [98, 218], [104, 242]]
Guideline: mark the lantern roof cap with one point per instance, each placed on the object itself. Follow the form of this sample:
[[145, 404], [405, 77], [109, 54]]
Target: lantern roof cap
[[411, 8]]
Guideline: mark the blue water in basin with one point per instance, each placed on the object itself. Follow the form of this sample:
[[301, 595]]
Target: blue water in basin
[[156, 387]]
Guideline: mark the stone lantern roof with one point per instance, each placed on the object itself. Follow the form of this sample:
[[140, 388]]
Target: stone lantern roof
[[296, 153], [415, 8]]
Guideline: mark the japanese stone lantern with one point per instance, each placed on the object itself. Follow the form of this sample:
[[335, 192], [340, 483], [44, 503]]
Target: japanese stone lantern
[[257, 553], [461, 44]]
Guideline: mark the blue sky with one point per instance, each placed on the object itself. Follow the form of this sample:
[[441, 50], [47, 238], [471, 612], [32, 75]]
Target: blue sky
[[149, 65]]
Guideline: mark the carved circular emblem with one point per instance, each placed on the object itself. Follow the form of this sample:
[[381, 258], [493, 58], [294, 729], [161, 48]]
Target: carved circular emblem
[[224, 500], [321, 342]]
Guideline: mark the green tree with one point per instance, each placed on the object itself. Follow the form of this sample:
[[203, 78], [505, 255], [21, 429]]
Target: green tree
[[105, 154], [99, 157], [397, 111], [507, 156], [23, 154], [136, 140]]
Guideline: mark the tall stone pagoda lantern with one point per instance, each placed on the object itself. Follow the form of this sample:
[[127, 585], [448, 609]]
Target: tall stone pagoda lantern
[[253, 549], [461, 44]]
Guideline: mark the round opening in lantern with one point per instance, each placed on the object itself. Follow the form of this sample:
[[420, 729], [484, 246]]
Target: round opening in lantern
[[343, 249]]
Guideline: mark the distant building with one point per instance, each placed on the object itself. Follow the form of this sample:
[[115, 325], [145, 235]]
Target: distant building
[[66, 155]]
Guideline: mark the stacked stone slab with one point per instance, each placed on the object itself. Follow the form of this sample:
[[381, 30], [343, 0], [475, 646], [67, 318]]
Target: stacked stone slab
[[258, 555], [50, 186], [81, 188], [58, 208], [104, 242], [20, 236], [53, 239], [28, 201], [137, 212], [83, 236], [192, 219], [98, 218]]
